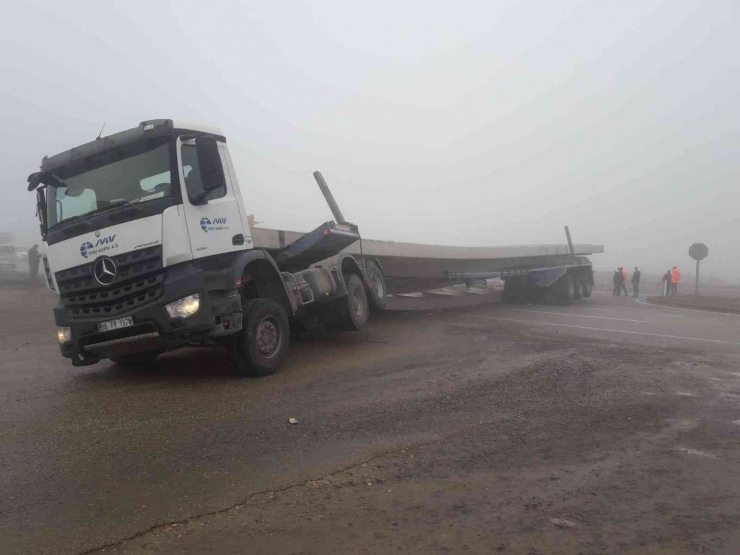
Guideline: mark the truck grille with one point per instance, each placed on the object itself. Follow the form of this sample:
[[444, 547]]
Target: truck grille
[[138, 282]]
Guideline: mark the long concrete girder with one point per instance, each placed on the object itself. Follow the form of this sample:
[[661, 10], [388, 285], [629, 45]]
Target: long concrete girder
[[412, 267], [277, 239]]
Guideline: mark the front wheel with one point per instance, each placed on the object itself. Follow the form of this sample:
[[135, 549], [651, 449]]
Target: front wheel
[[261, 346]]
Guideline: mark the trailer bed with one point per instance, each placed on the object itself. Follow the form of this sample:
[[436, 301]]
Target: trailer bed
[[411, 267]]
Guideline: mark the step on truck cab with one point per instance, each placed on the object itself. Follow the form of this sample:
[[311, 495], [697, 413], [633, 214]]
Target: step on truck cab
[[149, 249]]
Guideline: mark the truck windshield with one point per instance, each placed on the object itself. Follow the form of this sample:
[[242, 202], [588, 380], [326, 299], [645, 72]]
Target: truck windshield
[[129, 175]]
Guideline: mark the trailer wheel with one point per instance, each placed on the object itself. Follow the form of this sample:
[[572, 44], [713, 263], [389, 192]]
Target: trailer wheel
[[349, 313], [137, 359], [564, 288], [514, 291], [376, 287], [578, 287], [261, 346], [587, 287]]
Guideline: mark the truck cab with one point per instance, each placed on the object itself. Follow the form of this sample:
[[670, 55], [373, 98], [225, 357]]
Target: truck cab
[[149, 248]]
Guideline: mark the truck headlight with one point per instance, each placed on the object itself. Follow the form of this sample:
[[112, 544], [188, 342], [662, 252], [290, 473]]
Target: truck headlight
[[64, 335], [182, 308]]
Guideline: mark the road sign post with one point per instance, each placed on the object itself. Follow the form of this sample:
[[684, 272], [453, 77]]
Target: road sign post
[[698, 251], [696, 286]]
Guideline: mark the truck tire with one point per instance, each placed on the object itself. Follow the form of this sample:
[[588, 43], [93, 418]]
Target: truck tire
[[349, 313], [513, 290], [587, 287], [578, 287], [137, 359], [564, 288], [262, 344], [376, 287]]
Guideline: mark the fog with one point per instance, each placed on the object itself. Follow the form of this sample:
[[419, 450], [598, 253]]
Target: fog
[[462, 123]]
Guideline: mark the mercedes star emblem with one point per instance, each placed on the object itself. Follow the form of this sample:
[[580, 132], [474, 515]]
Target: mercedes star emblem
[[105, 271]]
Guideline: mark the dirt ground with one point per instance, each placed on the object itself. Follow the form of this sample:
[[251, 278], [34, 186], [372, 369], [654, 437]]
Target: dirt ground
[[437, 431]]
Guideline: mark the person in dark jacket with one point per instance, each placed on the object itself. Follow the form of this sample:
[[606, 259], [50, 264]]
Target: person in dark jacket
[[636, 275], [667, 283], [33, 263], [618, 282]]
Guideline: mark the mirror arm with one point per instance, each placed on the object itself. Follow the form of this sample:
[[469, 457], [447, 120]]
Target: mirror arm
[[199, 200]]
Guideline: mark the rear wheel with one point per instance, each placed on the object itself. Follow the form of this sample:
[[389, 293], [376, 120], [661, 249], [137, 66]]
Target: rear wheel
[[564, 288], [261, 346], [578, 287], [376, 287], [137, 359], [349, 313], [587, 287], [513, 290]]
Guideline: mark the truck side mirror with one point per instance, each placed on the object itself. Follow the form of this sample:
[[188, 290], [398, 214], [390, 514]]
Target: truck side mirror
[[41, 210], [209, 162]]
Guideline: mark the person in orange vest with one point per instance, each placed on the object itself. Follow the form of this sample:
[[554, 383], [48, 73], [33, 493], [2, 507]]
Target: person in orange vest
[[624, 281], [675, 280]]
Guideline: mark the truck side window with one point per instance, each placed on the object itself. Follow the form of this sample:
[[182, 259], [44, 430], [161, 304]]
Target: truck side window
[[191, 172]]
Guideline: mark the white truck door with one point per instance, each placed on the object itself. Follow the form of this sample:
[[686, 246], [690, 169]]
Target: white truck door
[[215, 227]]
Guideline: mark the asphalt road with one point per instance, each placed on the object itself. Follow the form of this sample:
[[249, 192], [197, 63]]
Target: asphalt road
[[601, 427], [628, 319]]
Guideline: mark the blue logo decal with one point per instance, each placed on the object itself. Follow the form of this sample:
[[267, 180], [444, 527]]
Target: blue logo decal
[[103, 244], [85, 248], [213, 225]]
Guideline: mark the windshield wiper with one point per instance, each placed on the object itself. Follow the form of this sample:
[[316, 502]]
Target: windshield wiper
[[119, 202], [82, 218], [103, 209]]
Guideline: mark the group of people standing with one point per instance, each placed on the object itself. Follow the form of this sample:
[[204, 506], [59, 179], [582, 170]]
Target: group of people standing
[[620, 282], [671, 279]]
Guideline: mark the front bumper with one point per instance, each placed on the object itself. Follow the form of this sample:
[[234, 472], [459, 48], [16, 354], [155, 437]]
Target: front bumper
[[153, 328]]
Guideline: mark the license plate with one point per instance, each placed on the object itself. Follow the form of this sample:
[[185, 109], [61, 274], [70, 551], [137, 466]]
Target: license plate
[[116, 324]]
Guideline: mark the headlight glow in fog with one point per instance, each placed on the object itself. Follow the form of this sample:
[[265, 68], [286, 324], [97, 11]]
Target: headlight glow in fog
[[182, 308], [64, 335]]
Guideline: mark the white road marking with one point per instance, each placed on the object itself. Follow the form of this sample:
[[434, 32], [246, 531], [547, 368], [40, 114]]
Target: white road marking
[[578, 315], [710, 312], [736, 422], [609, 330], [670, 315], [690, 451], [685, 394], [592, 308]]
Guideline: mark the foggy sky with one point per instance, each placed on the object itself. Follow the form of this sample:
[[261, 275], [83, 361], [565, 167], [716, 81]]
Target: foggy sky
[[463, 123]]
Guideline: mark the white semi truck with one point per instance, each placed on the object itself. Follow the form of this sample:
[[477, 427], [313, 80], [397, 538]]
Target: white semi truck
[[150, 249]]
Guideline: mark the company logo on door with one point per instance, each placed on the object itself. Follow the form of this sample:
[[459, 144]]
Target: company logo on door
[[216, 224], [87, 249]]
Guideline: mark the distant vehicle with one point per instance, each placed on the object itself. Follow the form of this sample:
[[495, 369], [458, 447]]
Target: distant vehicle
[[8, 256]]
